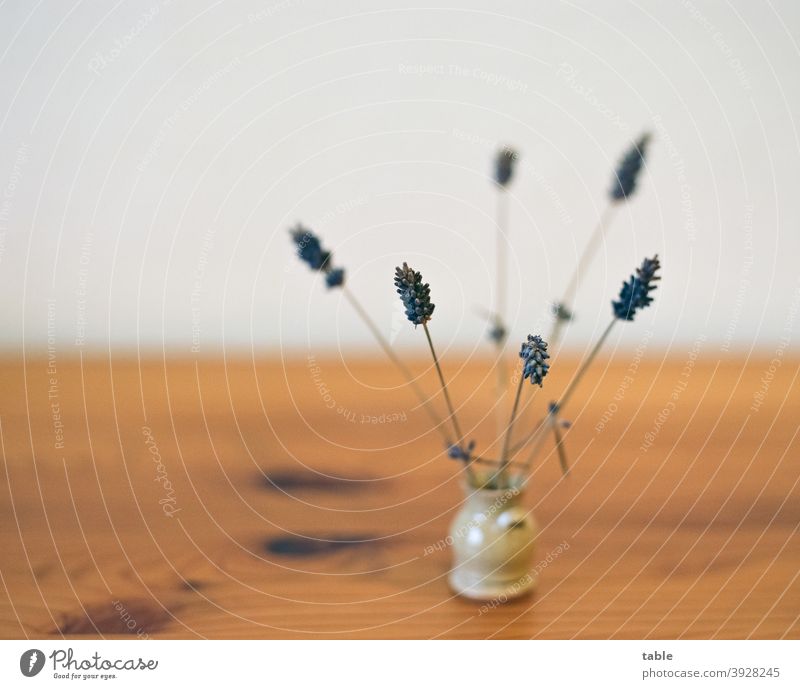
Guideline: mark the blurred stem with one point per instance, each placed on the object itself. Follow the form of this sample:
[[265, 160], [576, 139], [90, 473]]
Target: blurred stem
[[516, 447], [389, 351], [501, 268], [562, 455], [581, 267], [499, 386], [501, 255], [539, 434], [490, 460]]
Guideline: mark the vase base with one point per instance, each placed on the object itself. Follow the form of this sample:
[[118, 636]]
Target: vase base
[[492, 590]]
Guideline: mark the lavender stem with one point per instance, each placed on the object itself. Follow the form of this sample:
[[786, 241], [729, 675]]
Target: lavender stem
[[389, 351]]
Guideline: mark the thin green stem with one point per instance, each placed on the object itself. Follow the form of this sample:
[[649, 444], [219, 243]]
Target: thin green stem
[[510, 427], [504, 455], [389, 351], [567, 394], [453, 418]]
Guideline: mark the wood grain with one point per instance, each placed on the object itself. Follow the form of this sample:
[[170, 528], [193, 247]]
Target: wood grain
[[296, 515]]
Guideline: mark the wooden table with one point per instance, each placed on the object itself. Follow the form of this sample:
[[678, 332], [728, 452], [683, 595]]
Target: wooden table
[[208, 498]]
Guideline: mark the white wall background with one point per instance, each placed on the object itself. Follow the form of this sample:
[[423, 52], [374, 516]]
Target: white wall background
[[153, 155]]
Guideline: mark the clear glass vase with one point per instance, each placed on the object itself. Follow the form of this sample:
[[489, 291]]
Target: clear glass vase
[[493, 540]]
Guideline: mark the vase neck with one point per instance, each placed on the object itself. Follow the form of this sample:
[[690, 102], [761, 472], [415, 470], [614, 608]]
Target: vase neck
[[485, 499]]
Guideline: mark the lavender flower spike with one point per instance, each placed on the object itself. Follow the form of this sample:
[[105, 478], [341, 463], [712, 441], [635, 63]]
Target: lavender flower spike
[[534, 353], [627, 172], [334, 278], [504, 165], [635, 293], [310, 251], [415, 295], [309, 248]]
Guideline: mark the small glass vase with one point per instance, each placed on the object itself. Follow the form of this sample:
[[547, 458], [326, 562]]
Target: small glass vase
[[493, 539]]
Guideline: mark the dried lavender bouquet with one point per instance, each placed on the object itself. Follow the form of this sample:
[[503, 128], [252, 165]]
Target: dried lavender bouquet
[[509, 536]]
